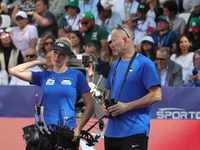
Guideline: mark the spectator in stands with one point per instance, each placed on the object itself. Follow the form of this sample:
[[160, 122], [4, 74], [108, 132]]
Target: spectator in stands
[[102, 67], [93, 33], [31, 55], [109, 55], [131, 21], [58, 9], [164, 37], [194, 14], [194, 33], [125, 7], [187, 5], [155, 10], [3, 8], [193, 76], [106, 17], [10, 56], [70, 22], [23, 35], [88, 6], [147, 48], [3, 76], [45, 45], [145, 24], [169, 72], [0, 21], [77, 40], [48, 60], [45, 21], [183, 55], [176, 24]]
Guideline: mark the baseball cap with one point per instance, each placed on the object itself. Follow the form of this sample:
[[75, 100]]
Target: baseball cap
[[21, 14], [195, 3], [194, 25], [87, 16], [62, 47], [74, 3], [143, 7], [131, 17], [164, 18], [148, 38], [106, 4]]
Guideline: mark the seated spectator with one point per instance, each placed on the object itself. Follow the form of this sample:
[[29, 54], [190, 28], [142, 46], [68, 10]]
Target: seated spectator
[[31, 55], [193, 76], [88, 6], [48, 59], [155, 10], [169, 72], [23, 35], [44, 20], [194, 33], [3, 76], [109, 55], [131, 21], [10, 56], [145, 24], [183, 55], [45, 45], [125, 7], [147, 48], [177, 24], [164, 37], [77, 40], [194, 14], [58, 9], [93, 33], [70, 22], [102, 67], [106, 17]]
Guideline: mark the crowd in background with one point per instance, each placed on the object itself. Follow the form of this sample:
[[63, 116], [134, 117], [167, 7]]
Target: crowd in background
[[170, 41]]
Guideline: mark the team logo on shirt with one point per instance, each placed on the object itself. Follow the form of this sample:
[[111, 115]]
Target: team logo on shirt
[[94, 36], [66, 82]]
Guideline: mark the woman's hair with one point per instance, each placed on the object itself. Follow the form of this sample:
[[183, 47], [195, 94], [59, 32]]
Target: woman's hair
[[80, 36], [152, 54], [178, 49], [11, 43], [42, 41]]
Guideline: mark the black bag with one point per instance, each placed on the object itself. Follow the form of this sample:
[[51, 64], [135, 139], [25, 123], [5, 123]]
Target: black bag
[[31, 135]]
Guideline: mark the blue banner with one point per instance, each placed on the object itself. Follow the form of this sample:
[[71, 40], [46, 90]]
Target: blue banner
[[177, 102]]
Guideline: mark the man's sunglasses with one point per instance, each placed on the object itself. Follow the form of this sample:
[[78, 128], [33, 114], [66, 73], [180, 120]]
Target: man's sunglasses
[[120, 27], [48, 43], [161, 59], [31, 56]]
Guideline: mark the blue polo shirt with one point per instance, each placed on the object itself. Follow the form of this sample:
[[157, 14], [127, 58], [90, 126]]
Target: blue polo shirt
[[164, 40]]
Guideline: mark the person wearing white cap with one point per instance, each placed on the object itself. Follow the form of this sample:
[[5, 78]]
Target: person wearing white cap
[[147, 48], [23, 35], [195, 13], [105, 16]]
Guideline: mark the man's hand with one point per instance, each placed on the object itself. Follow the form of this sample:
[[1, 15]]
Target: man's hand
[[117, 109]]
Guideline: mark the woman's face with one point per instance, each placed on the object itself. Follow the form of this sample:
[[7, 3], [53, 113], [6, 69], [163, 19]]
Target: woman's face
[[197, 61], [21, 22], [74, 39], [146, 46], [72, 11], [48, 44], [58, 58], [184, 43], [5, 38]]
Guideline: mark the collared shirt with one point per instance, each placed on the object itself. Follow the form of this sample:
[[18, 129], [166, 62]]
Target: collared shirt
[[163, 77], [110, 23]]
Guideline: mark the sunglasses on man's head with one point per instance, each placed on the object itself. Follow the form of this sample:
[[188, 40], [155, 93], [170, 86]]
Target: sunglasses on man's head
[[19, 18], [120, 27], [31, 56], [4, 36], [48, 43]]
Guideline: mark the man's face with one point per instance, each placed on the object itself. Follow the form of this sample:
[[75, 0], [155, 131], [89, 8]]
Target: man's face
[[162, 25], [107, 13], [30, 55], [131, 23], [141, 15], [91, 49], [40, 7], [167, 13], [197, 61], [197, 9], [162, 59]]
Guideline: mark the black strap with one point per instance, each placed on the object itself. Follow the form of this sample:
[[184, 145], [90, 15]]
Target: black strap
[[126, 73]]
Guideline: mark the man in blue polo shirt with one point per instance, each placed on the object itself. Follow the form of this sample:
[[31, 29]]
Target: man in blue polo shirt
[[164, 37]]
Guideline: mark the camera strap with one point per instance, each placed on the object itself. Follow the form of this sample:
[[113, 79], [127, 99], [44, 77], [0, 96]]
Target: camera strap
[[126, 73]]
